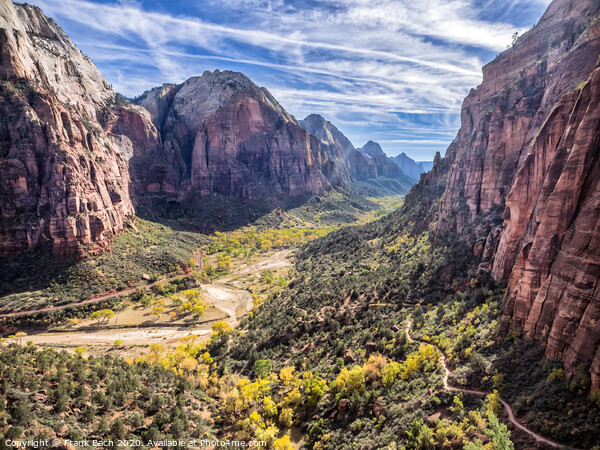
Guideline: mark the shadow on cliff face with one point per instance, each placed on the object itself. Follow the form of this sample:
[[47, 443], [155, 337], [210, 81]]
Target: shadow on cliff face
[[35, 278], [220, 213], [540, 394], [211, 213], [29, 272]]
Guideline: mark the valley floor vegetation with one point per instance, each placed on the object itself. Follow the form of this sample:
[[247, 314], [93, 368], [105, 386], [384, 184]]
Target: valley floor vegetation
[[153, 250], [323, 361]]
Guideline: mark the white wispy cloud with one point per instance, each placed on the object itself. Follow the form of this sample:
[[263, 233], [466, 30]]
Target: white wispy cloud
[[364, 64]]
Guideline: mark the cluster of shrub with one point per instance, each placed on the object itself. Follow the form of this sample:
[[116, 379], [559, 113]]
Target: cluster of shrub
[[45, 394]]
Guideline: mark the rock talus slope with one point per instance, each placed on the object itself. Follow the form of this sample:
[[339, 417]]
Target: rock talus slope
[[529, 148], [64, 141]]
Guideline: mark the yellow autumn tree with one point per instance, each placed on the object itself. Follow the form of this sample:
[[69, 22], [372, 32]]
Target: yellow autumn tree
[[349, 381], [283, 443], [220, 328], [157, 311], [156, 350], [286, 375]]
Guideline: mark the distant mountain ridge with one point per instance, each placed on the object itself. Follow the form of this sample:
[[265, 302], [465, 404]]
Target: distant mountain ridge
[[427, 165], [371, 149], [410, 167], [384, 166], [367, 164]]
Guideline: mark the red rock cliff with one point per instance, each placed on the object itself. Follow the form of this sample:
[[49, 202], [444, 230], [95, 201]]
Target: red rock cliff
[[73, 153], [223, 134], [530, 143], [64, 145]]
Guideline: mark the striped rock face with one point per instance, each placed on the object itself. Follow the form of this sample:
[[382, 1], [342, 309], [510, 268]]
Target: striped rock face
[[223, 134], [64, 176], [529, 151]]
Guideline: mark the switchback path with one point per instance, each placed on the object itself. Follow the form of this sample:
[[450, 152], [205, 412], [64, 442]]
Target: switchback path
[[511, 415]]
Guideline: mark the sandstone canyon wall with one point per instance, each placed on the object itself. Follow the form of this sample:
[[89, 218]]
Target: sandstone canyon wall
[[337, 146], [64, 142], [76, 158], [529, 147], [223, 134]]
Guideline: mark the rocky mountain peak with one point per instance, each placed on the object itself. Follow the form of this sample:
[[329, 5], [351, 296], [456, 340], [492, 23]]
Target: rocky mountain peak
[[318, 126], [408, 165], [198, 98], [372, 149], [34, 47], [224, 134]]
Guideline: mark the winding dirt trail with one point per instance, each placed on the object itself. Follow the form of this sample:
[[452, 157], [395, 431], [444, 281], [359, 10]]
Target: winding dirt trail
[[511, 415], [223, 293], [92, 300], [274, 261]]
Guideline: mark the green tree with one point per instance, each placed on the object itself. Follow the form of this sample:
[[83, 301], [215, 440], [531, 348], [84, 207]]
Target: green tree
[[458, 407], [117, 429], [498, 380], [136, 420], [61, 403], [314, 387], [556, 375], [263, 367], [499, 434], [88, 413], [286, 417], [349, 381]]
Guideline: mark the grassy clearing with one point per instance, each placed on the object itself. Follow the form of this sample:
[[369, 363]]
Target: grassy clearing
[[386, 204]]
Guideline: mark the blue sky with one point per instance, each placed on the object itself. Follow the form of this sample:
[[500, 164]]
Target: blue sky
[[394, 71]]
